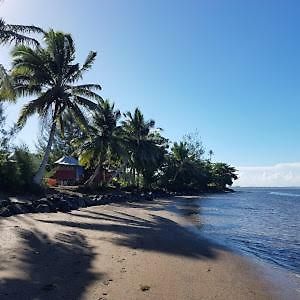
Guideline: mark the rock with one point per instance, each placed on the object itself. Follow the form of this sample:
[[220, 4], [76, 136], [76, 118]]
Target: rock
[[55, 199], [149, 196], [45, 201], [21, 208], [64, 206], [72, 203], [100, 200], [113, 198], [89, 201], [81, 202], [42, 208], [5, 212], [4, 203]]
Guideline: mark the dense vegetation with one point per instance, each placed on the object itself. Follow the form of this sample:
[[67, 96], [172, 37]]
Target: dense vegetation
[[78, 122]]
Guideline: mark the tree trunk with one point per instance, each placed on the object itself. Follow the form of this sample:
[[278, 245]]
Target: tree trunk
[[134, 181], [41, 171], [138, 180], [91, 180]]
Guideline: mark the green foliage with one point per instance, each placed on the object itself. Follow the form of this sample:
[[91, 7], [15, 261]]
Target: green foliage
[[183, 170], [17, 170], [194, 144], [133, 148], [18, 34], [50, 76], [63, 142], [101, 144], [145, 147], [222, 174]]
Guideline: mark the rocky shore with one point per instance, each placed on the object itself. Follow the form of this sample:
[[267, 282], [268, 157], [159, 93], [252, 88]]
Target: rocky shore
[[62, 202]]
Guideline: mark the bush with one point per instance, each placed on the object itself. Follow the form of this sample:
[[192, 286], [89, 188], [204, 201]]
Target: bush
[[17, 171]]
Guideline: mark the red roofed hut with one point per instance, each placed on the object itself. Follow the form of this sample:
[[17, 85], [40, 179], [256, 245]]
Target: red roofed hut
[[67, 171]]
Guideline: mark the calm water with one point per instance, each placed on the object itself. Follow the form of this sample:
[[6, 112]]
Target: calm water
[[262, 222]]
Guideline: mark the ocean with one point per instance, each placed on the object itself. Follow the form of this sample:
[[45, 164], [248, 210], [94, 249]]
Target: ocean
[[261, 222]]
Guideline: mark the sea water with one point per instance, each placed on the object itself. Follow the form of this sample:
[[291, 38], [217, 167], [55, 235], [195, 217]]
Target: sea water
[[261, 222]]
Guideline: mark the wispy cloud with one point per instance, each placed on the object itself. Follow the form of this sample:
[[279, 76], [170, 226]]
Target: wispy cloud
[[283, 174]]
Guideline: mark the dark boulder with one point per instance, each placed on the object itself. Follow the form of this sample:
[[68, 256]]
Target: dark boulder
[[45, 201], [55, 199], [99, 200], [89, 201], [42, 208], [64, 206], [81, 202], [4, 203], [22, 208], [149, 196], [73, 204], [5, 212]]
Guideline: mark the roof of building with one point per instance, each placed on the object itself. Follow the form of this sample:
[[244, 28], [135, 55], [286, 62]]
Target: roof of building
[[67, 160]]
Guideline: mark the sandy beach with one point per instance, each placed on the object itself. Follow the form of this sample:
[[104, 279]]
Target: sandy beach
[[119, 251]]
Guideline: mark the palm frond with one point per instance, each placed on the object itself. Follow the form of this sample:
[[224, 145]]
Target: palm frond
[[10, 33], [85, 102], [86, 93], [34, 106], [85, 67], [78, 114], [7, 92]]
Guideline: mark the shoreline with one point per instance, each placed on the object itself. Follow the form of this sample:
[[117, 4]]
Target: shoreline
[[120, 251], [286, 281]]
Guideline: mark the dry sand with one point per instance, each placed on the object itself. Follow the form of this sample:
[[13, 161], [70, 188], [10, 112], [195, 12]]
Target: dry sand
[[118, 251]]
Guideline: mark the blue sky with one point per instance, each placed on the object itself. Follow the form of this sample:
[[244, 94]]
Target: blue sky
[[227, 68]]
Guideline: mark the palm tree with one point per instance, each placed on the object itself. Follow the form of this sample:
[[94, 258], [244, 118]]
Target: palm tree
[[181, 155], [141, 143], [223, 175], [50, 75], [103, 139], [210, 153], [17, 34]]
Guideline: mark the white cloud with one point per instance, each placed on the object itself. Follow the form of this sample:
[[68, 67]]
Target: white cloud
[[280, 175]]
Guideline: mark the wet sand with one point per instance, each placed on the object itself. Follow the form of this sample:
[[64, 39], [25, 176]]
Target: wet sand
[[119, 251]]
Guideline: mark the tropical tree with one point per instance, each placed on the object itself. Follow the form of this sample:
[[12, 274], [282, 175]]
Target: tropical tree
[[50, 76], [223, 175], [194, 144], [210, 153], [141, 141], [184, 169], [63, 141], [102, 142], [182, 157], [16, 34]]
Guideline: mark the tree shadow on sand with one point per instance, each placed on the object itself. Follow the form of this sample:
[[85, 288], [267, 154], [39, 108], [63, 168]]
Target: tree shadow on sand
[[159, 234], [53, 269]]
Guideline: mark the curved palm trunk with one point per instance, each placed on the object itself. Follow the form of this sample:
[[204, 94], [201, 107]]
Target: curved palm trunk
[[91, 180], [41, 171], [177, 172]]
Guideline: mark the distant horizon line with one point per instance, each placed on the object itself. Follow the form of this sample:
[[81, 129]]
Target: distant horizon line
[[263, 187]]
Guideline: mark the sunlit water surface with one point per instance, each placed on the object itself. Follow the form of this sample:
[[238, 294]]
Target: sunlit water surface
[[261, 222]]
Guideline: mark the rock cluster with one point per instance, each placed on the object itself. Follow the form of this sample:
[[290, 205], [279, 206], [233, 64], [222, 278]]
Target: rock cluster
[[64, 203]]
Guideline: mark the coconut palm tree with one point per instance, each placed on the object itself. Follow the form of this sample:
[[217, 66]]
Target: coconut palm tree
[[17, 34], [182, 157], [223, 175], [210, 153], [141, 142], [102, 141], [50, 76]]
